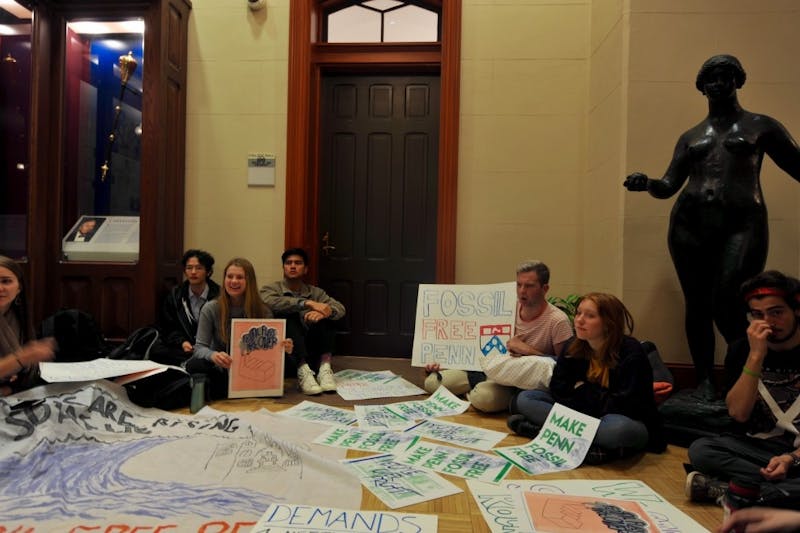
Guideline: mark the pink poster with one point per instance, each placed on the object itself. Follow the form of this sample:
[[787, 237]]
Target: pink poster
[[257, 352], [561, 513]]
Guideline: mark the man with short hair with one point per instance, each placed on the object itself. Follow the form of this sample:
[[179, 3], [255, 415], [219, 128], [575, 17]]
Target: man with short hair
[[85, 231], [181, 308], [763, 373], [310, 310], [540, 329]]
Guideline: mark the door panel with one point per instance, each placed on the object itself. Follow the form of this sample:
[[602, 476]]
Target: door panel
[[378, 198]]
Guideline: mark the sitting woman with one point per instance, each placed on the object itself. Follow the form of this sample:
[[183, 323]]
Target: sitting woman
[[603, 373], [238, 299], [20, 353]]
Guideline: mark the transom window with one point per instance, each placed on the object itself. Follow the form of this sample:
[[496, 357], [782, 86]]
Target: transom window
[[383, 21]]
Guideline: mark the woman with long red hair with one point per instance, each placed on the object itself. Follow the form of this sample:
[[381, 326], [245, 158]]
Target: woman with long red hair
[[604, 373]]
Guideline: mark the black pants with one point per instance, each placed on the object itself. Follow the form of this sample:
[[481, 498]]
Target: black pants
[[730, 457], [310, 342]]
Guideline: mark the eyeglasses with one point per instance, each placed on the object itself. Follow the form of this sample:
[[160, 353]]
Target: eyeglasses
[[189, 268]]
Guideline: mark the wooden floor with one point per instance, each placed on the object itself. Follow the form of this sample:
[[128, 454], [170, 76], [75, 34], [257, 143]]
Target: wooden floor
[[664, 473]]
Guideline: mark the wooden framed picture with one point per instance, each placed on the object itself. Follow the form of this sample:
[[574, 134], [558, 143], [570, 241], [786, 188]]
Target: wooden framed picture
[[257, 353]]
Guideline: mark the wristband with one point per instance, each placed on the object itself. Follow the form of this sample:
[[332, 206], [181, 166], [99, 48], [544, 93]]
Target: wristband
[[749, 372], [19, 362]]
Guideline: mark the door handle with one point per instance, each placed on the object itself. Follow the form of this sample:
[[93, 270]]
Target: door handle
[[327, 247]]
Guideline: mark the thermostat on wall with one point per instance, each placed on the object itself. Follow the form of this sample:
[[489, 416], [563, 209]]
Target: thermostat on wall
[[261, 170]]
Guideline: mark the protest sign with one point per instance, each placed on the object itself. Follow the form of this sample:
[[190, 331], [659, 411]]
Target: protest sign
[[256, 357], [469, 464], [506, 507], [366, 440], [457, 325], [561, 444], [84, 458], [309, 519], [363, 385], [399, 485], [317, 412], [100, 368], [441, 403], [461, 434], [379, 417]]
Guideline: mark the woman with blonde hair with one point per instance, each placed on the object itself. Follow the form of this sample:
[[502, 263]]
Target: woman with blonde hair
[[604, 373], [238, 299]]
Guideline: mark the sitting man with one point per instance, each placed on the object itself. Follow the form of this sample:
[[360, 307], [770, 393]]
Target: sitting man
[[315, 311], [540, 329], [181, 309], [763, 373]]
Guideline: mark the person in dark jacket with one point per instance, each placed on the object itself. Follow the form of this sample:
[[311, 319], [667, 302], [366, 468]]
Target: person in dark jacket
[[181, 309], [604, 373]]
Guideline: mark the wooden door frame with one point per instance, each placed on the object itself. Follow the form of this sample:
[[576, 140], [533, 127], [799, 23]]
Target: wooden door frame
[[309, 59]]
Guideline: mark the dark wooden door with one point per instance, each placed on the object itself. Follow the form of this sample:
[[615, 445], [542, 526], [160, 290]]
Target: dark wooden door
[[377, 204]]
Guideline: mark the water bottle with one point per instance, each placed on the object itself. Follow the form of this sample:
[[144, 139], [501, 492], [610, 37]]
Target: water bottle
[[738, 495], [198, 392]]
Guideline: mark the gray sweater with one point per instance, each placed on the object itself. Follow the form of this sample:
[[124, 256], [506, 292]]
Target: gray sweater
[[209, 337], [280, 298]]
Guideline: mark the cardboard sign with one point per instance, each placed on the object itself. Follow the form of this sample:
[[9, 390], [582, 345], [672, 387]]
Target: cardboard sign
[[457, 325], [257, 357]]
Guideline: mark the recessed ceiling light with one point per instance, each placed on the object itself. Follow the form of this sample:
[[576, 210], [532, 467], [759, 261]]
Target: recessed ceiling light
[[92, 27]]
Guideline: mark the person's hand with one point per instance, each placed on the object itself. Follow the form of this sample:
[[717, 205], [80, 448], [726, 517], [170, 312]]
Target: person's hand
[[313, 317], [636, 182], [430, 368], [761, 520], [757, 334], [777, 468], [321, 308], [288, 345], [37, 351], [517, 347], [187, 347], [221, 359]]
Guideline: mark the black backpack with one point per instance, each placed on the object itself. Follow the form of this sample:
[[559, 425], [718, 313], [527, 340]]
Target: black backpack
[[170, 389], [137, 346], [77, 335]]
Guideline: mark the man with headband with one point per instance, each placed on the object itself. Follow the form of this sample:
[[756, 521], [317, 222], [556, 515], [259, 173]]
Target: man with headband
[[763, 376]]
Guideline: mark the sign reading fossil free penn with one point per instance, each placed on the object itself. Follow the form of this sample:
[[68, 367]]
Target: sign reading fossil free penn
[[457, 325]]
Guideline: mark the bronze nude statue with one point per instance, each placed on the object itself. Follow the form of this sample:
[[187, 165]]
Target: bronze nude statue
[[718, 235]]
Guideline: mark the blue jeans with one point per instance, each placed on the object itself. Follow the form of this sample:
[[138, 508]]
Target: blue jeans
[[614, 432]]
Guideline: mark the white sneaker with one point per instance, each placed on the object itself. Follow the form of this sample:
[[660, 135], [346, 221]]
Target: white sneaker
[[305, 379], [326, 379]]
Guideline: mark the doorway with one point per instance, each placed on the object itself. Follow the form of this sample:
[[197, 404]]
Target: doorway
[[311, 59], [377, 202]]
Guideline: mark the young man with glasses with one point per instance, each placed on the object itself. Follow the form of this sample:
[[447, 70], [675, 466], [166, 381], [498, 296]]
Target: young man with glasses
[[181, 308], [763, 376]]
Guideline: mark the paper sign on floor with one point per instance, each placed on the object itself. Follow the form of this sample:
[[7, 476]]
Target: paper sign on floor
[[398, 485], [561, 444], [309, 519]]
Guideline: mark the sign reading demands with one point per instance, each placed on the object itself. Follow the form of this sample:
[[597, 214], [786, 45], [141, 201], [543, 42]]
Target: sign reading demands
[[458, 324]]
